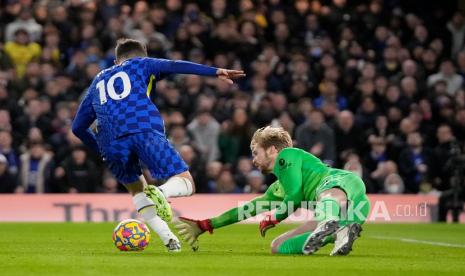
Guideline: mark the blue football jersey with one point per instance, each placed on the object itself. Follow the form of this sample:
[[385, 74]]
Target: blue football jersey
[[120, 96]]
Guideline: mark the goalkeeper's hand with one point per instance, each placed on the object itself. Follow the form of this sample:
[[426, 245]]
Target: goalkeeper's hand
[[191, 229], [267, 223]]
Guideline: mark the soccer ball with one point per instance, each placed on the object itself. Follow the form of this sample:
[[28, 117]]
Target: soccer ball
[[131, 235]]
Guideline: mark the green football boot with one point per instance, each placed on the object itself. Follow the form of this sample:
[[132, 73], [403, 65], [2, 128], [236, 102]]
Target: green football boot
[[161, 203]]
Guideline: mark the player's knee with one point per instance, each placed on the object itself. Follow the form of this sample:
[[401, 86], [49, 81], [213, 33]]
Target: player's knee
[[192, 182], [193, 187], [189, 180]]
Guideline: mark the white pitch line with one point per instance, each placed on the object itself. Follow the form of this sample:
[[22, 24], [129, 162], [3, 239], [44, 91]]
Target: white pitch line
[[446, 244]]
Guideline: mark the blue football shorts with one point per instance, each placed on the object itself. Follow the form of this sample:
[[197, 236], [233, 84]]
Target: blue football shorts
[[124, 155]]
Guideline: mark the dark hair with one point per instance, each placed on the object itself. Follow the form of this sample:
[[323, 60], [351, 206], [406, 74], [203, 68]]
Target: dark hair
[[36, 142], [126, 47], [79, 148], [21, 31]]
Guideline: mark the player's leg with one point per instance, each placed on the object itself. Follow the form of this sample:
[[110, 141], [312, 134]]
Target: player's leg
[[164, 162], [124, 165], [179, 185], [146, 209], [161, 203]]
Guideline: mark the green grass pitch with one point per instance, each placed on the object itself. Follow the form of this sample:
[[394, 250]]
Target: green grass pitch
[[87, 249]]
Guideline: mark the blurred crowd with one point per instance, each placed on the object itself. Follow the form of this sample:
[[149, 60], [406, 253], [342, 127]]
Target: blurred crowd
[[375, 87]]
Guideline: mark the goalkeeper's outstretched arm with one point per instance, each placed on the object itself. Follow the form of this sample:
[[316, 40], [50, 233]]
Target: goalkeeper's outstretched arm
[[190, 229], [250, 209]]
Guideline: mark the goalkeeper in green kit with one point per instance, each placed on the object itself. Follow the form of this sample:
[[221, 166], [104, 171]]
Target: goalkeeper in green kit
[[337, 197]]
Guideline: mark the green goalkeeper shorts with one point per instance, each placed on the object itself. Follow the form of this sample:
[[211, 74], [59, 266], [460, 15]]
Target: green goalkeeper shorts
[[353, 186]]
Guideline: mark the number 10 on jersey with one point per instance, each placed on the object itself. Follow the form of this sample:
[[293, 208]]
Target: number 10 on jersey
[[110, 87]]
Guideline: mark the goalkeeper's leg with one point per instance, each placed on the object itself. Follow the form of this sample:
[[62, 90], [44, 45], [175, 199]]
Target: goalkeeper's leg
[[346, 235], [281, 239], [146, 209], [295, 244], [292, 241], [327, 214], [354, 216]]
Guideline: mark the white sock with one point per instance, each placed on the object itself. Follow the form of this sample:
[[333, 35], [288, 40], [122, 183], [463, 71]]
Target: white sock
[[177, 186], [147, 211]]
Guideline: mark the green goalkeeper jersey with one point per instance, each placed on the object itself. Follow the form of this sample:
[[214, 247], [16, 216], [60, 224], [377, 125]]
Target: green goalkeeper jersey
[[301, 177], [299, 173]]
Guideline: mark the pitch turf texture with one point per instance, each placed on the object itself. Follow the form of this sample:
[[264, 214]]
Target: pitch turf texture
[[87, 249]]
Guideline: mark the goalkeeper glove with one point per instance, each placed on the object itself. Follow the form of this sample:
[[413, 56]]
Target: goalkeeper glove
[[191, 229], [267, 223]]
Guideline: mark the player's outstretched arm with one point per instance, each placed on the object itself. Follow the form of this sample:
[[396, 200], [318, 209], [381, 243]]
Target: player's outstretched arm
[[165, 66]]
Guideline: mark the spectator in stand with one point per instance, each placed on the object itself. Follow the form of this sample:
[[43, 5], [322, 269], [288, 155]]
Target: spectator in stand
[[225, 183], [178, 136], [213, 170], [24, 21], [34, 117], [456, 27], [7, 180], [109, 185], [446, 148], [77, 173], [243, 168], [35, 173], [196, 167], [22, 51], [447, 73], [7, 150], [348, 136], [381, 61], [205, 131], [234, 139], [317, 138], [255, 183], [414, 163]]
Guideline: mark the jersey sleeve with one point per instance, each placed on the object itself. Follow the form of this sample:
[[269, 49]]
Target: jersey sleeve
[[288, 169], [85, 116], [252, 208], [163, 67]]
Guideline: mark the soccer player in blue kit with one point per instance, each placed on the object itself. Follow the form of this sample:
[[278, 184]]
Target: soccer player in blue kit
[[130, 129]]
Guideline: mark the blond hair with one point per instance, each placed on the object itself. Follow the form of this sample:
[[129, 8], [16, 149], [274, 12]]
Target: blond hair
[[271, 136]]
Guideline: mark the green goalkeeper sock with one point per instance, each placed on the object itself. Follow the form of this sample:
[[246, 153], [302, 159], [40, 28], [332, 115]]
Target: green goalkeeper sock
[[326, 209], [295, 244]]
